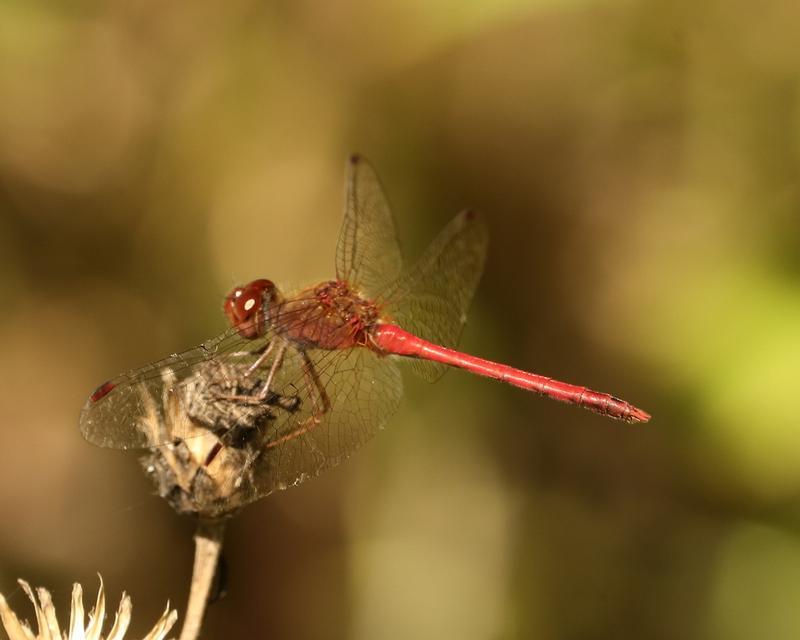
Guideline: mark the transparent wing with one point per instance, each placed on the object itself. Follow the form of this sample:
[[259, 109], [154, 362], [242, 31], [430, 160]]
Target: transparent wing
[[364, 391], [432, 298], [368, 254], [112, 415], [322, 406]]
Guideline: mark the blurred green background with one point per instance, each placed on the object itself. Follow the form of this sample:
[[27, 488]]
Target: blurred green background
[[637, 164]]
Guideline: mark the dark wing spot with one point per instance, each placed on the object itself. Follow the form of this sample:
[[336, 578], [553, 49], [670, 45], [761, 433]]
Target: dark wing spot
[[102, 391]]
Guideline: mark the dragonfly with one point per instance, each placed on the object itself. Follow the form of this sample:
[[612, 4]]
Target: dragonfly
[[315, 372]]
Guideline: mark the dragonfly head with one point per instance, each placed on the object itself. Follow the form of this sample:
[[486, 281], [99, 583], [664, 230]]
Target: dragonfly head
[[247, 307]]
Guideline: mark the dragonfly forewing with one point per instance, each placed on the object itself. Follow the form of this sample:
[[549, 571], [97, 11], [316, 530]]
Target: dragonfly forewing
[[368, 255], [320, 407], [112, 416]]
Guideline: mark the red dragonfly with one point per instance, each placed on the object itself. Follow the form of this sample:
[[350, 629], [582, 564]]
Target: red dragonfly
[[321, 359]]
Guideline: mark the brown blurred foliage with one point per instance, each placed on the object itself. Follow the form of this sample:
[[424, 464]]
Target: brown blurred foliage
[[637, 163]]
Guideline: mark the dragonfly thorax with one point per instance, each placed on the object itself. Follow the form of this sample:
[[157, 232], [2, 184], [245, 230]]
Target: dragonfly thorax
[[330, 315]]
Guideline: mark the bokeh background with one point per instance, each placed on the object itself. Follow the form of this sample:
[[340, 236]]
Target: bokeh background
[[637, 163]]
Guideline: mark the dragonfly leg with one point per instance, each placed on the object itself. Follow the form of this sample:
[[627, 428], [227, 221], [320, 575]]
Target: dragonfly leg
[[254, 399], [260, 360], [322, 404], [264, 393], [312, 380], [276, 365], [253, 352]]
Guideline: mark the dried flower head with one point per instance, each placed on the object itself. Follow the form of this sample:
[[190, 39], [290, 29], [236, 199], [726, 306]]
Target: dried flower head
[[208, 468], [47, 621]]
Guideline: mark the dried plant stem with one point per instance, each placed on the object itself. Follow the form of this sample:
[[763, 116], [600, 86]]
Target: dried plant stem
[[208, 545]]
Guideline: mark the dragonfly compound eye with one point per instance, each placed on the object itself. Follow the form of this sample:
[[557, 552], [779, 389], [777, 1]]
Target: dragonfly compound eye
[[245, 307]]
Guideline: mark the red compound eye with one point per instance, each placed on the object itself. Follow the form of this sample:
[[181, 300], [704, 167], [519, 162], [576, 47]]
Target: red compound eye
[[245, 307]]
